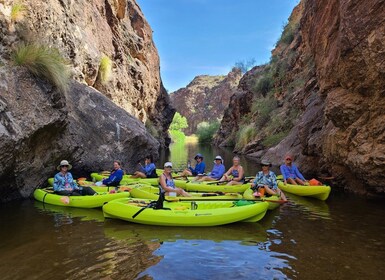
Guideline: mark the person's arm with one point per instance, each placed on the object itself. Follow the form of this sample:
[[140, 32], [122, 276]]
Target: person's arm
[[115, 177], [150, 169], [240, 173], [257, 179], [221, 171], [58, 183], [298, 174], [72, 182], [274, 180], [284, 172], [162, 182], [200, 168]]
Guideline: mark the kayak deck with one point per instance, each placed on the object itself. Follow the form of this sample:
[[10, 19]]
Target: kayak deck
[[319, 192]]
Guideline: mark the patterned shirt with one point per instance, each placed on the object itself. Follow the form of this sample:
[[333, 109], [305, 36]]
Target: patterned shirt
[[64, 182], [269, 179]]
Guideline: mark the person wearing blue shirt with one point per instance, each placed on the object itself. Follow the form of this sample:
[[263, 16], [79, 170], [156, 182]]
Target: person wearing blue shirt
[[65, 185], [291, 173], [199, 168], [148, 170], [115, 176], [217, 171]]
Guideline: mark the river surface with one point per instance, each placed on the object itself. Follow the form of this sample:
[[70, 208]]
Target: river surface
[[342, 238]]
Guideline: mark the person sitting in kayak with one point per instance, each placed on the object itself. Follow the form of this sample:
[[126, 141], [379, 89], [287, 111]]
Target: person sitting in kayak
[[167, 184], [199, 167], [148, 170], [266, 182], [65, 185], [291, 173], [235, 175], [217, 171], [115, 177]]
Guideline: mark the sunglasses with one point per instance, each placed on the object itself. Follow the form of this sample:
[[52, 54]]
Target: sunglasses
[[64, 166], [264, 165], [168, 167], [288, 159]]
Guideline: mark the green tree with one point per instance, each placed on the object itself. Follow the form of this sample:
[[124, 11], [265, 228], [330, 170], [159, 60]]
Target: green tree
[[178, 122], [206, 131]]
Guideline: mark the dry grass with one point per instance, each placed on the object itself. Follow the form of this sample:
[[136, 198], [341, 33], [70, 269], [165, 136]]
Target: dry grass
[[18, 12], [44, 62]]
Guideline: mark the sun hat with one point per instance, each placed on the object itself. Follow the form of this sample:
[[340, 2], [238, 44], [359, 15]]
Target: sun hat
[[64, 162], [168, 164], [198, 156], [219, 158], [265, 163]]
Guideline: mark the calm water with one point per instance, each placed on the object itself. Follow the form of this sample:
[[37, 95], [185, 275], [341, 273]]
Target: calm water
[[342, 238]]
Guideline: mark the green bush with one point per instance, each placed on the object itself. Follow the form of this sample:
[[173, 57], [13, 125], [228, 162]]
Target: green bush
[[288, 33], [205, 131], [177, 136], [44, 62], [179, 122], [274, 139], [105, 69], [245, 135], [262, 108], [265, 84]]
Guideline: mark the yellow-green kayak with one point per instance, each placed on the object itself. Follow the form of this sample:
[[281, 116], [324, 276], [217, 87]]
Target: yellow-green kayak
[[207, 213], [248, 194], [319, 192], [87, 201], [150, 192], [214, 187]]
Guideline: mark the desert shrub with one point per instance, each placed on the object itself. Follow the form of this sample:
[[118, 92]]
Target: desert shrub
[[205, 131], [245, 65], [151, 128], [288, 33], [17, 12], [274, 139], [265, 84], [262, 109], [105, 69], [44, 62], [245, 135]]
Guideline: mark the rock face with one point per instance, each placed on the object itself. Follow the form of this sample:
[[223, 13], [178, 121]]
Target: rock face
[[205, 98], [97, 120], [84, 31], [339, 128], [39, 126]]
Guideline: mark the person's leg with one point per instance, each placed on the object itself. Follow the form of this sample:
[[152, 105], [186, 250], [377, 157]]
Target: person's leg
[[232, 183], [291, 181], [87, 191], [186, 172], [299, 181], [64, 193], [207, 178], [139, 174]]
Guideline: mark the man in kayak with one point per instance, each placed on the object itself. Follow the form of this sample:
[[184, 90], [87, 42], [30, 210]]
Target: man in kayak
[[65, 185], [291, 173], [266, 182], [115, 176], [217, 172], [199, 167], [148, 170]]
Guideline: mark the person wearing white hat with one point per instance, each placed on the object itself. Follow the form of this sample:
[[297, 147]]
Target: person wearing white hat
[[65, 185], [217, 171], [167, 184]]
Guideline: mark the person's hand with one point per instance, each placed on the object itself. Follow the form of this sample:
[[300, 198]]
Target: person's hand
[[252, 185], [284, 182]]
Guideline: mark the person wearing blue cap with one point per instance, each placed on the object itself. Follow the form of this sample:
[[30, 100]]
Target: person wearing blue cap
[[199, 167]]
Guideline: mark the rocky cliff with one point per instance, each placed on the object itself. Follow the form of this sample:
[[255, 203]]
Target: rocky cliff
[[324, 91], [85, 32], [101, 115], [205, 98]]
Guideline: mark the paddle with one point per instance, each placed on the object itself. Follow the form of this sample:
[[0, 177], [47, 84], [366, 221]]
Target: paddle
[[225, 199]]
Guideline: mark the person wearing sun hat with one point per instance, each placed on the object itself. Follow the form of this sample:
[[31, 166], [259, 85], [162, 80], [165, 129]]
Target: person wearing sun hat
[[167, 184], [65, 185], [217, 171], [266, 182], [291, 173], [199, 168]]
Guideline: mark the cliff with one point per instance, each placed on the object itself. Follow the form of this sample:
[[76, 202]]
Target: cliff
[[205, 98], [100, 115], [321, 97]]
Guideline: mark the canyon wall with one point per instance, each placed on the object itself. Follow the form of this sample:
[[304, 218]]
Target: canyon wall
[[327, 85]]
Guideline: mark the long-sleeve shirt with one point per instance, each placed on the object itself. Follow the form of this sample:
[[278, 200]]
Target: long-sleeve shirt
[[114, 178], [199, 168], [269, 179], [148, 169], [64, 182], [291, 172], [218, 171]]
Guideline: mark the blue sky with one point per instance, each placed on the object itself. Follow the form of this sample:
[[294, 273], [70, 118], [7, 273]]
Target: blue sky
[[196, 37]]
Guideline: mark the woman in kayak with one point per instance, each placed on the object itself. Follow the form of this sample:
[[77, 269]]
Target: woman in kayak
[[199, 168], [65, 185], [167, 184], [291, 173], [148, 170], [235, 175], [266, 182], [217, 172], [115, 177]]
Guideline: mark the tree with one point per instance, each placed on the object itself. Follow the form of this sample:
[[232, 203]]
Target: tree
[[244, 65], [178, 122]]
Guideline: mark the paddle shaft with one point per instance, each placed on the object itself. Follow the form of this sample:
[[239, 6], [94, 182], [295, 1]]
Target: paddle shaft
[[226, 199]]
